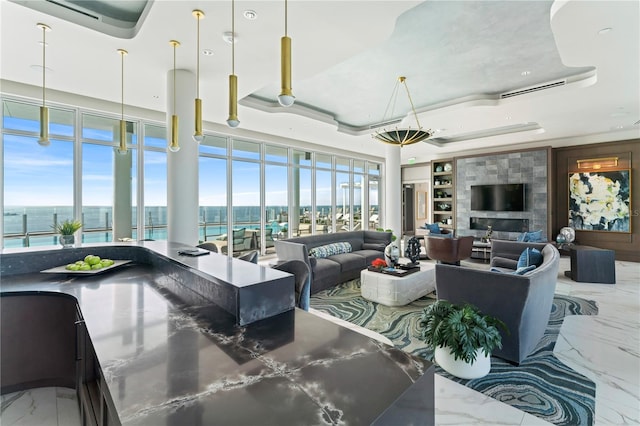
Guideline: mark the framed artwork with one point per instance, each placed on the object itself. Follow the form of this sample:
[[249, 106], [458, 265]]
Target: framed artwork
[[600, 201]]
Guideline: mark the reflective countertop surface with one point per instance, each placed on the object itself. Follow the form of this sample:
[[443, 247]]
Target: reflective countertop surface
[[169, 362]]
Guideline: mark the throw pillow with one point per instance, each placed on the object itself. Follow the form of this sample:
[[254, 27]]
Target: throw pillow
[[529, 256], [433, 228], [531, 237], [330, 249]]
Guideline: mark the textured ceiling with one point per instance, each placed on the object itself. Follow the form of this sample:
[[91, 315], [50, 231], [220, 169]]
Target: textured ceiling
[[449, 51]]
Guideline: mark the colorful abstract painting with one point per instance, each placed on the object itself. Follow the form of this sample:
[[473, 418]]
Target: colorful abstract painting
[[599, 201]]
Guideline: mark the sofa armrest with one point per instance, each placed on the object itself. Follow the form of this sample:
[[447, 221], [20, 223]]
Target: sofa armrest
[[287, 250]]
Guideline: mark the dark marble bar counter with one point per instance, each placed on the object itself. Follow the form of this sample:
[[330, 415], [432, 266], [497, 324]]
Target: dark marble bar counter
[[171, 357], [248, 292]]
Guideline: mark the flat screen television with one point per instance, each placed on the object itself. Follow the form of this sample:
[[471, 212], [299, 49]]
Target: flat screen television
[[508, 197]]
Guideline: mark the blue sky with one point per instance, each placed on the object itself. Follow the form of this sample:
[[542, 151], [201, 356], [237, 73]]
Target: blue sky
[[43, 176]]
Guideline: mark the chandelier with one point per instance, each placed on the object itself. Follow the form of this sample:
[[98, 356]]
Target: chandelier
[[401, 136]]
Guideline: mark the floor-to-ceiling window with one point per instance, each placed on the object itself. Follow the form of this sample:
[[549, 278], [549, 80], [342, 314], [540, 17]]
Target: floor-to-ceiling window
[[108, 180], [245, 199], [38, 184], [374, 193], [324, 189], [301, 193], [213, 189], [265, 188], [343, 216], [155, 184], [276, 195], [358, 196]]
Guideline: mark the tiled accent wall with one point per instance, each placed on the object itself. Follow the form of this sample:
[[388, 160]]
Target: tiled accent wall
[[529, 167]]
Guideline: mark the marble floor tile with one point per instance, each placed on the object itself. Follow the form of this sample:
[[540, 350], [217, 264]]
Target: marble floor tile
[[30, 407], [458, 405], [606, 347], [40, 406], [67, 405]]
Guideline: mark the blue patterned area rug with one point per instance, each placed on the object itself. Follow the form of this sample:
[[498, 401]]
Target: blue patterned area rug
[[541, 385]]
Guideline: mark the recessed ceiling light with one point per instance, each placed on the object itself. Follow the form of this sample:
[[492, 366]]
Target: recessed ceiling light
[[605, 30], [207, 52], [250, 14], [229, 38], [525, 73]]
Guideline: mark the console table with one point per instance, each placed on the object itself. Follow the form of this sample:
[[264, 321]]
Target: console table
[[481, 250]]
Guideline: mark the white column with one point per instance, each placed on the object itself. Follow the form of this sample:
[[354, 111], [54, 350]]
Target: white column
[[122, 208], [182, 166], [393, 191]]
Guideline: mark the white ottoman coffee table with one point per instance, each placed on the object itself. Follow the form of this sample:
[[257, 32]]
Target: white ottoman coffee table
[[391, 290]]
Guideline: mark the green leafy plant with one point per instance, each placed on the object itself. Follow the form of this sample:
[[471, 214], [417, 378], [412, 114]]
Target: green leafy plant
[[393, 237], [68, 227], [463, 328]]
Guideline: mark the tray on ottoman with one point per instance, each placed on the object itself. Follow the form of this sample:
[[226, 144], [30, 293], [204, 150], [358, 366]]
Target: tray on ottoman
[[398, 272]]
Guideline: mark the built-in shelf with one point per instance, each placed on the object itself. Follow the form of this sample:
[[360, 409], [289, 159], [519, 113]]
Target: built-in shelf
[[443, 193]]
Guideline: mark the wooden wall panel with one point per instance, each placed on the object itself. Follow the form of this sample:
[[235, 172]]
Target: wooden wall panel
[[626, 245]]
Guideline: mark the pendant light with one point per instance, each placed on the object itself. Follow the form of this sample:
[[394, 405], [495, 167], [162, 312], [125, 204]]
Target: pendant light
[[122, 148], [197, 135], [401, 136], [174, 146], [233, 121], [286, 97], [44, 111]]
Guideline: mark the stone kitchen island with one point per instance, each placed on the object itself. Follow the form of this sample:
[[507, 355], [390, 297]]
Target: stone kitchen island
[[153, 345]]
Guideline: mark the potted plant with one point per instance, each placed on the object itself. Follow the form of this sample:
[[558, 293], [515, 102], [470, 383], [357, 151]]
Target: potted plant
[[462, 338], [393, 237], [67, 229]]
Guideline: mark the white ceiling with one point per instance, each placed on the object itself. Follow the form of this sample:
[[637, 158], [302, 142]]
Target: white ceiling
[[459, 57]]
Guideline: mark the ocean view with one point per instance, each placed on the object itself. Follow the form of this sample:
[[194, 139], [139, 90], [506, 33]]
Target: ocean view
[[32, 225]]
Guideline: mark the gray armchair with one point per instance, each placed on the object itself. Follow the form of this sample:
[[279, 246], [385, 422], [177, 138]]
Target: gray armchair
[[301, 271], [523, 302]]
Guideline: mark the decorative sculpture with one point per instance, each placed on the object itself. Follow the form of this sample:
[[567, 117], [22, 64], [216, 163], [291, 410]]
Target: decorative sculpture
[[569, 234], [391, 255], [413, 250]]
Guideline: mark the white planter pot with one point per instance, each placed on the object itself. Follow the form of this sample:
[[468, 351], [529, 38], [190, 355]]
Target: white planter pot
[[459, 368]]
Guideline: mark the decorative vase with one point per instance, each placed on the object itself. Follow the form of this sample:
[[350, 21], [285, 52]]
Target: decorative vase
[[391, 255], [479, 368], [67, 241]]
